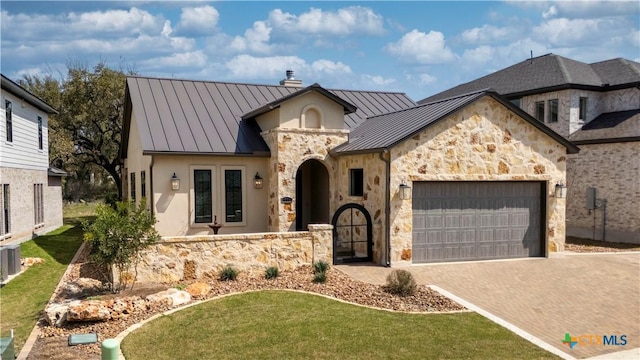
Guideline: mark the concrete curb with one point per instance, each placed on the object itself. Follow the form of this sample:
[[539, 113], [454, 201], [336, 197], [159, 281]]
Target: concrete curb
[[31, 340], [138, 325], [525, 335]]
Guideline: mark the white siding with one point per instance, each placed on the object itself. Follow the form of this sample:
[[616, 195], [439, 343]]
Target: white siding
[[23, 152]]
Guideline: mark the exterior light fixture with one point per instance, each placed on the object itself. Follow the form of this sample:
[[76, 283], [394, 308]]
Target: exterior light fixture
[[175, 182], [405, 191], [257, 181], [561, 191]]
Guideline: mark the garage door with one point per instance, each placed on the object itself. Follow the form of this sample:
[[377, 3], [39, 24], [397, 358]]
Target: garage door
[[456, 221]]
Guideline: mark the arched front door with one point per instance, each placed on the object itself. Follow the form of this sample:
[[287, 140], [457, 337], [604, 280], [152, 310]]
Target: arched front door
[[352, 234], [312, 194]]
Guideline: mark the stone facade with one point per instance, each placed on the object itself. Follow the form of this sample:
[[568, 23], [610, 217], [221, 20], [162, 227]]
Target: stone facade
[[482, 142], [613, 170], [176, 259], [290, 148]]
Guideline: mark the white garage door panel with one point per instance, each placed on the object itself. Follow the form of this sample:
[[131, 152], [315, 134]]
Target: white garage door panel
[[455, 221]]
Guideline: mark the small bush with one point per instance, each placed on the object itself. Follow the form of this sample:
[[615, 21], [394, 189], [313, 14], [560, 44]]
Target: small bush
[[320, 277], [228, 274], [271, 273], [320, 267], [400, 282]]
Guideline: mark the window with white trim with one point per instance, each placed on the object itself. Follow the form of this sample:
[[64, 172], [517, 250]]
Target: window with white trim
[[8, 109], [40, 139], [203, 196], [233, 195], [5, 216], [38, 204]]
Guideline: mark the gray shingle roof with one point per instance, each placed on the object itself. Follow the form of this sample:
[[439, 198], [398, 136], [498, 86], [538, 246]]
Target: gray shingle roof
[[385, 131], [549, 72], [608, 127], [205, 117]]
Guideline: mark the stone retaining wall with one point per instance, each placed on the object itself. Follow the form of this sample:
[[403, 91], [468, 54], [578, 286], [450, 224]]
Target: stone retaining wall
[[183, 258]]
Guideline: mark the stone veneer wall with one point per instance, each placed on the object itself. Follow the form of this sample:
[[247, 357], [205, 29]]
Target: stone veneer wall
[[373, 198], [483, 141], [289, 149], [613, 169], [175, 259]]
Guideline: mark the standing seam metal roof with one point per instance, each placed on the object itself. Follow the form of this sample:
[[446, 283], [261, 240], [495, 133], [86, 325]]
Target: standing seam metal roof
[[387, 130], [204, 117]]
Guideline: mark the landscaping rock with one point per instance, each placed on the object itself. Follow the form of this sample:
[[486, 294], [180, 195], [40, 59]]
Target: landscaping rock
[[89, 285], [26, 262], [170, 297], [55, 314], [198, 290], [90, 310]]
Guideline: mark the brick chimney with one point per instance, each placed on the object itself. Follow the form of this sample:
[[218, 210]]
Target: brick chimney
[[290, 80]]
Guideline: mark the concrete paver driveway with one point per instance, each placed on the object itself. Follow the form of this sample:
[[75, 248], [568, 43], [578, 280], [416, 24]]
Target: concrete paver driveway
[[591, 294]]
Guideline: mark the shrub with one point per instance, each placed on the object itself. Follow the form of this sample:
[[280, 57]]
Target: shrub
[[228, 274], [400, 282], [320, 267], [117, 235], [271, 273], [320, 277]]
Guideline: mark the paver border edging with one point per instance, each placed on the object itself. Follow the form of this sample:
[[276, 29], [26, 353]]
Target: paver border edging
[[138, 325], [33, 336], [509, 326]]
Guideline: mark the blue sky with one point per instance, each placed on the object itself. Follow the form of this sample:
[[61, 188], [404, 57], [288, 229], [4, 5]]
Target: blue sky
[[419, 48]]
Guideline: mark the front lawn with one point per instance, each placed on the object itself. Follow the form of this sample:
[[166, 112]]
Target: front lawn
[[289, 325], [23, 299]]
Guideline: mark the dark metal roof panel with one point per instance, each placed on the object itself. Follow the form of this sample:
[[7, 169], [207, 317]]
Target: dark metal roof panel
[[184, 116], [387, 130], [613, 125]]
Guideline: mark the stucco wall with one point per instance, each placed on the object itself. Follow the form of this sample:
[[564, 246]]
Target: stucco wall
[[613, 170], [483, 141], [175, 259], [174, 209]]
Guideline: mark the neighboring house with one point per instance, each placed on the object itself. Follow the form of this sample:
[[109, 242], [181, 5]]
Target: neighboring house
[[597, 107], [471, 177], [30, 190]]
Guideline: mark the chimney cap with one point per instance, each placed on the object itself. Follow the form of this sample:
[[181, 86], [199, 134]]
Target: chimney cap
[[291, 75], [290, 80]]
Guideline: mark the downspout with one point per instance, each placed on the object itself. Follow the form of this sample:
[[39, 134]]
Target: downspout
[[387, 205], [151, 186]]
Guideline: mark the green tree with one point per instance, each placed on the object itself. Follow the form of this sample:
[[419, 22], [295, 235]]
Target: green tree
[[117, 236], [86, 134]]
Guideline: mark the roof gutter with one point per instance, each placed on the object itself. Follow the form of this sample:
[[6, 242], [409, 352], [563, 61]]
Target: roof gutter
[[387, 204]]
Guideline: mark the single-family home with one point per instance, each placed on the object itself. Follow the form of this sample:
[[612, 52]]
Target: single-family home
[[30, 190], [597, 107], [464, 178]]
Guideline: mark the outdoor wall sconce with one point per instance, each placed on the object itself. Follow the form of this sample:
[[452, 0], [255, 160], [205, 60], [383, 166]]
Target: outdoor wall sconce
[[405, 191], [561, 191], [175, 182], [257, 181]]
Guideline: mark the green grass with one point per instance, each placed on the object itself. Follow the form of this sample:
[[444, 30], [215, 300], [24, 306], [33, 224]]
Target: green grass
[[288, 325], [23, 299]]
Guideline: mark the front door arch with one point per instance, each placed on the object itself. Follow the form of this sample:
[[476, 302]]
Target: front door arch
[[352, 234], [312, 194]]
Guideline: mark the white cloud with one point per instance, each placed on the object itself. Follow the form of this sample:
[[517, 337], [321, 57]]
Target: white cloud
[[345, 21], [198, 21], [330, 67], [426, 79], [250, 67], [487, 34], [188, 59], [583, 8], [576, 32], [416, 46], [378, 80], [255, 39], [551, 12]]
